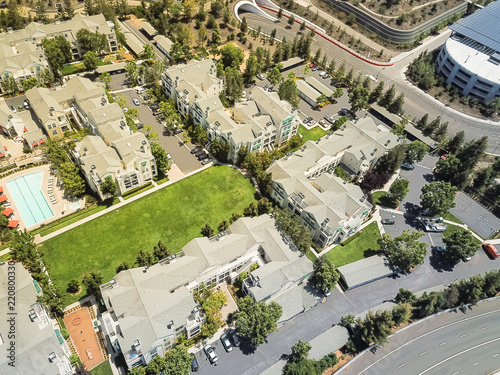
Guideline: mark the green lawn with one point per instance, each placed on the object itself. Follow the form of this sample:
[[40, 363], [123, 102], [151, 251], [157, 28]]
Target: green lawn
[[363, 246], [380, 198], [174, 214], [311, 135], [103, 369], [449, 216]]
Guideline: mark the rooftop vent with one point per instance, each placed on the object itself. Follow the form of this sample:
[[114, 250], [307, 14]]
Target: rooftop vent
[[122, 123], [92, 166], [104, 114], [51, 109], [144, 142], [52, 357], [128, 144], [85, 149]]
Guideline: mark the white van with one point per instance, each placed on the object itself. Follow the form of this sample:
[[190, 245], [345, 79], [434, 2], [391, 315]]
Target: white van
[[322, 74], [140, 90]]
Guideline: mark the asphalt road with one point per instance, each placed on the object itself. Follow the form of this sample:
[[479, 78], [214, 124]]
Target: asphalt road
[[173, 144], [387, 32], [417, 103], [461, 342]]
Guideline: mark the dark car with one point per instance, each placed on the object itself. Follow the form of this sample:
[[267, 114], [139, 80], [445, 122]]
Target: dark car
[[196, 150], [194, 364], [202, 156], [344, 112], [388, 221], [140, 125], [234, 337], [226, 343], [309, 119], [407, 166], [154, 106], [440, 249]]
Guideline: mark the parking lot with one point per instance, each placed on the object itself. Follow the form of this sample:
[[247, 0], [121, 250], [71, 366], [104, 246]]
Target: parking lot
[[180, 152]]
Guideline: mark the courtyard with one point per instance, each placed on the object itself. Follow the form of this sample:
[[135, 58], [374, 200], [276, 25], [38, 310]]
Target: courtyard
[[174, 215]]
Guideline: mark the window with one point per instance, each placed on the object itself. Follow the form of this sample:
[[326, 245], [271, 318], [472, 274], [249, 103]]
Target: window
[[54, 132], [50, 126]]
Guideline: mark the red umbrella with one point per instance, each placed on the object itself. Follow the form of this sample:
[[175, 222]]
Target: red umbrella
[[8, 211], [13, 223]]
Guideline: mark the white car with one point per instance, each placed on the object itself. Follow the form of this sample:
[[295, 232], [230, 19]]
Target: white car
[[243, 95], [312, 123], [211, 354], [140, 90], [135, 101]]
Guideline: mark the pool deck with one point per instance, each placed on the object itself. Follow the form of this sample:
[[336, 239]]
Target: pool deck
[[60, 209]]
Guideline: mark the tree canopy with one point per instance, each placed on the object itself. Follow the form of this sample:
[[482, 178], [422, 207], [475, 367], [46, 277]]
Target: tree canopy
[[438, 197], [415, 152], [460, 246], [256, 320], [292, 226], [404, 251], [108, 186], [399, 189], [325, 274]]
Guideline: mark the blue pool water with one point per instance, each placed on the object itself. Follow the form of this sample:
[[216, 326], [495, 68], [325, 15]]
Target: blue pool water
[[26, 192]]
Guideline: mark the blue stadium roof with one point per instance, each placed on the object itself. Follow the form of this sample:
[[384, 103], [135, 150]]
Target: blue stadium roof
[[482, 26]]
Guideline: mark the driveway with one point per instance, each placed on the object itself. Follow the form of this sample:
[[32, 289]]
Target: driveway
[[173, 144], [118, 82]]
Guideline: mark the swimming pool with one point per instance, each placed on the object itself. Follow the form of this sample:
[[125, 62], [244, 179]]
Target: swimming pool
[[26, 192]]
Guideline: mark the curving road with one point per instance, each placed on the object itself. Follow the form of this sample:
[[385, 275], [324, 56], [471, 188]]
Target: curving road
[[460, 342], [417, 103], [389, 33]]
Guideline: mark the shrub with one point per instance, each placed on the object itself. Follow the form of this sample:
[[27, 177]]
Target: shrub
[[73, 286], [65, 333]]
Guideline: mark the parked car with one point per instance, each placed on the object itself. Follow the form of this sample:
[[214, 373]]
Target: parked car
[[407, 166], [307, 120], [226, 343], [178, 131], [323, 123], [344, 112], [439, 249], [195, 149], [154, 106], [234, 337], [243, 95], [322, 74], [261, 76], [211, 354], [431, 226], [329, 118], [387, 221], [194, 364], [326, 76], [140, 90], [492, 250], [135, 101], [266, 87], [314, 68], [312, 123], [202, 156], [125, 109], [206, 161], [327, 292], [140, 125], [198, 153], [13, 109]]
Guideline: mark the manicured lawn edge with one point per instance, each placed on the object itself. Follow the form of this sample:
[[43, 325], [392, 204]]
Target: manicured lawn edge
[[139, 190], [311, 135]]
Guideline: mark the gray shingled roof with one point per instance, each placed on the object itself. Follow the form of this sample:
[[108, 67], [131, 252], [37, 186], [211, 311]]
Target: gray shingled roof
[[482, 26], [365, 271]]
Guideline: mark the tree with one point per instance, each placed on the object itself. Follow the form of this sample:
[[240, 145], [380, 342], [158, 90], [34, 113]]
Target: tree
[[30, 83], [170, 114], [388, 97], [9, 84], [58, 52], [92, 282], [280, 13], [73, 286], [401, 313], [438, 197], [404, 251], [300, 351], [264, 206], [415, 152], [422, 123], [90, 60], [274, 76], [338, 93], [216, 37], [376, 327], [122, 267], [105, 77], [399, 128], [404, 295], [288, 91], [243, 25], [376, 94], [69, 10], [391, 161], [73, 183], [359, 98], [161, 251], [234, 84], [177, 361], [108, 186], [256, 320], [41, 11], [202, 35], [252, 68], [399, 189], [456, 142], [460, 246], [325, 274], [292, 225], [14, 19], [207, 231], [397, 105], [161, 157], [89, 41], [148, 53], [231, 56], [321, 100], [132, 72], [291, 20], [250, 210]]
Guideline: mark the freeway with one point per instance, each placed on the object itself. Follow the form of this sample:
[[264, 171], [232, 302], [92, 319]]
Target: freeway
[[417, 103], [459, 342], [389, 33]]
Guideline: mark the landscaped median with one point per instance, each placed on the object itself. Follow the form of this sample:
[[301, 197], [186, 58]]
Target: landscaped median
[[174, 214]]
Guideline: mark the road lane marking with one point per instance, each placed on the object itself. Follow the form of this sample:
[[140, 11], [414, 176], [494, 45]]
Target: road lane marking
[[443, 343], [494, 355], [455, 373], [482, 329], [475, 363], [428, 333], [421, 354], [459, 353], [465, 334]]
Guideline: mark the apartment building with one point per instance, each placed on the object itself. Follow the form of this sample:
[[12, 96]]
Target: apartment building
[[21, 51], [303, 182], [149, 307]]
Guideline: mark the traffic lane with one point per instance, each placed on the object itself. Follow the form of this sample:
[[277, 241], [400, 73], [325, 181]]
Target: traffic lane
[[432, 341], [477, 217], [173, 144]]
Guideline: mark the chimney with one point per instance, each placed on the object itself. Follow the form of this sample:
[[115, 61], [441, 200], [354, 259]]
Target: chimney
[[301, 198], [325, 223]]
